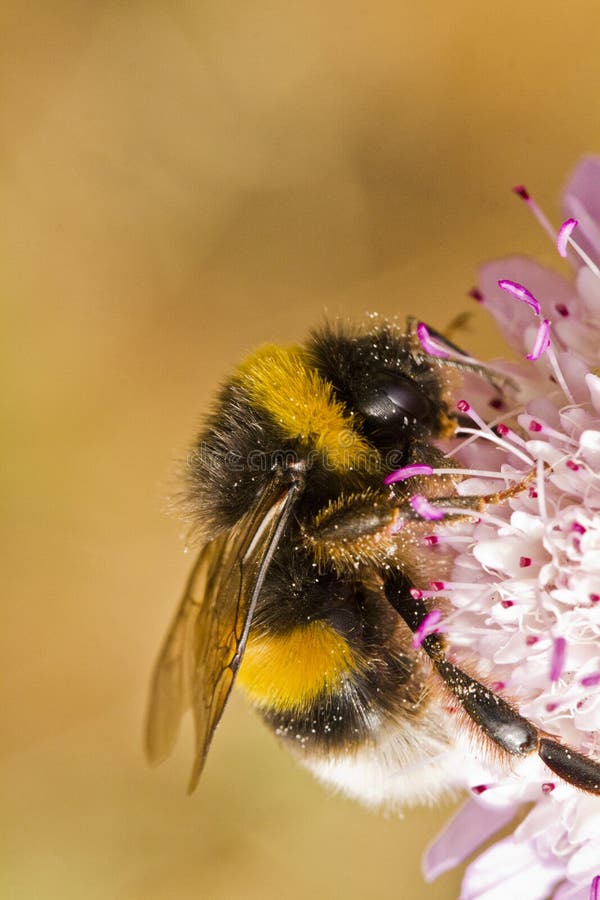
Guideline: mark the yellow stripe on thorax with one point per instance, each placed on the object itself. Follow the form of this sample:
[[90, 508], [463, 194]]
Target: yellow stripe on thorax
[[288, 671], [304, 406]]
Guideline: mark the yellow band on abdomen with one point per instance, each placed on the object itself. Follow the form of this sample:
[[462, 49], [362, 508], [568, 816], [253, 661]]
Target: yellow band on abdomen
[[288, 671]]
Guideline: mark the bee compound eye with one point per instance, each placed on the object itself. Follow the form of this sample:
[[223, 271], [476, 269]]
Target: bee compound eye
[[392, 397], [344, 620]]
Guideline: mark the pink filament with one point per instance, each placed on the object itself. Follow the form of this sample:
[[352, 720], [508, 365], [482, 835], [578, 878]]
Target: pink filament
[[407, 472], [595, 888], [423, 508], [590, 680], [427, 626], [542, 340], [558, 658], [520, 293], [428, 344], [564, 233]]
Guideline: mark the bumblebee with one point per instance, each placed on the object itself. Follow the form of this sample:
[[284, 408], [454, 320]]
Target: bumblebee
[[305, 590]]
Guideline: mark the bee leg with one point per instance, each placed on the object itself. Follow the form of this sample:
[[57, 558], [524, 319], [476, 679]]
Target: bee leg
[[478, 502], [496, 718]]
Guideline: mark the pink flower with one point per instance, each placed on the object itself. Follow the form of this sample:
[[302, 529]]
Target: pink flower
[[534, 620]]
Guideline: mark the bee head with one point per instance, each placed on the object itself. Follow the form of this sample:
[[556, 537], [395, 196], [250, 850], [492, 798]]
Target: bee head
[[385, 378]]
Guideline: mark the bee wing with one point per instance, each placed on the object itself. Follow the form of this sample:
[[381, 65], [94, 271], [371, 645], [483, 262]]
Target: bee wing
[[203, 649]]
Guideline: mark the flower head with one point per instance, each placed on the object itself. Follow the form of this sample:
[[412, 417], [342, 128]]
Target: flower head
[[526, 580]]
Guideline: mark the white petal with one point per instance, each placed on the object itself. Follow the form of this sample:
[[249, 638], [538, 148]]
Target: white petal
[[569, 891], [590, 447], [465, 832], [588, 288], [593, 383], [511, 869], [585, 863]]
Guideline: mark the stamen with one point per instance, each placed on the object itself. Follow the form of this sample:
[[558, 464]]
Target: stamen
[[427, 626], [520, 293], [564, 235], [595, 888], [548, 787], [479, 473], [536, 426], [558, 658], [461, 585], [490, 436], [429, 344], [423, 508], [407, 472], [523, 193], [542, 341], [590, 680], [433, 539], [551, 355], [504, 431], [476, 294], [524, 562], [465, 407], [585, 258], [541, 489]]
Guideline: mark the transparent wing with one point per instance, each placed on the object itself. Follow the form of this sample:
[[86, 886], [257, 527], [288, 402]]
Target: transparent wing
[[203, 649]]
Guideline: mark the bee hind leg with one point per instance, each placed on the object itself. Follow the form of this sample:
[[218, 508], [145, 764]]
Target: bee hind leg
[[497, 719]]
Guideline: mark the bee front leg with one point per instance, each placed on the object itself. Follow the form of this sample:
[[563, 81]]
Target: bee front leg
[[495, 718]]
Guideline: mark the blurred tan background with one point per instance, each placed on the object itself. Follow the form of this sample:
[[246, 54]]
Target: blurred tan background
[[180, 181]]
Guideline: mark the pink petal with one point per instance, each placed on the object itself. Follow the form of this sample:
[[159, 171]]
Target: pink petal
[[569, 891], [407, 472], [581, 200], [585, 864], [511, 869], [574, 372], [470, 827]]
